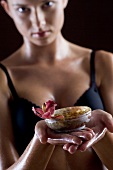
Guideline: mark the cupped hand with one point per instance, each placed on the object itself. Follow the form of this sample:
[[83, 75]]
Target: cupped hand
[[100, 122], [46, 135]]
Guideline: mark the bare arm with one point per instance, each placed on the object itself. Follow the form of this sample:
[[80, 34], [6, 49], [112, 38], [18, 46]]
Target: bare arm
[[103, 143], [36, 154], [104, 148], [101, 121]]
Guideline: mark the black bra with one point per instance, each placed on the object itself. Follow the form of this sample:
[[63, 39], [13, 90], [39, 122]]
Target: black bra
[[91, 97]]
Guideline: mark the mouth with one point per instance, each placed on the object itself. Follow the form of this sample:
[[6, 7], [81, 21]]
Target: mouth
[[40, 34]]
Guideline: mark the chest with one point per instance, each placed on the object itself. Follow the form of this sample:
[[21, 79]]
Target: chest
[[63, 86], [38, 86]]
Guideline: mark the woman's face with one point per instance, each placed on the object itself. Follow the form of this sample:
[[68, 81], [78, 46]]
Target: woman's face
[[39, 21]]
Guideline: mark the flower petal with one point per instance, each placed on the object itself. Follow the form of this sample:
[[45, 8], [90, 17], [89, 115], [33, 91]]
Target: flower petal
[[46, 115], [46, 111], [50, 104], [37, 111]]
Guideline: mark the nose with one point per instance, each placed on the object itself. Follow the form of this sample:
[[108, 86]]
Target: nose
[[38, 18]]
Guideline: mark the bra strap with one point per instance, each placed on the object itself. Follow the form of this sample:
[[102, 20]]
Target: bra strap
[[10, 83], [92, 68]]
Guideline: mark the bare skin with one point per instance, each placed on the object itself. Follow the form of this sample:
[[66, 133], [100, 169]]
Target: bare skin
[[28, 72], [60, 71]]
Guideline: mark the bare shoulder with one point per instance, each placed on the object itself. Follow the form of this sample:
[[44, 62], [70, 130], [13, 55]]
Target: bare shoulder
[[5, 95], [104, 56], [104, 60], [104, 66], [13, 59], [3, 82]]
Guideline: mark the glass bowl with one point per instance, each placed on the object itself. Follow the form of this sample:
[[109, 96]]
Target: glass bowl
[[74, 118]]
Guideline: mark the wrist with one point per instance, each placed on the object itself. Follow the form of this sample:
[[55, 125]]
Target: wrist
[[104, 141]]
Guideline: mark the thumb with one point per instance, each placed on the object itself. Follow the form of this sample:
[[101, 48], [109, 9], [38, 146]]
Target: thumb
[[108, 121], [41, 131]]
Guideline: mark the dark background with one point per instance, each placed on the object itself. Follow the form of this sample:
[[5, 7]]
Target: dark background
[[88, 23]]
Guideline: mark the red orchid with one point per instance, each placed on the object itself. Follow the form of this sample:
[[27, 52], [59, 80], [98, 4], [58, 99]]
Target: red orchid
[[46, 111]]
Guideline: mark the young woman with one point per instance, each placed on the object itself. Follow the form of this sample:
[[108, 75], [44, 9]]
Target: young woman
[[47, 67]]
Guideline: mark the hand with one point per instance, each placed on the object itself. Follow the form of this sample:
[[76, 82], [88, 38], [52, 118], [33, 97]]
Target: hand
[[101, 121], [74, 139], [46, 135]]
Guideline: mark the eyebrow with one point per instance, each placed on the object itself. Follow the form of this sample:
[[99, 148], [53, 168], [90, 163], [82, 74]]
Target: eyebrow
[[19, 4], [29, 4]]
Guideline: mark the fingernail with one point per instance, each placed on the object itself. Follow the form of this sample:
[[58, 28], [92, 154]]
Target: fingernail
[[64, 147], [81, 150], [76, 142]]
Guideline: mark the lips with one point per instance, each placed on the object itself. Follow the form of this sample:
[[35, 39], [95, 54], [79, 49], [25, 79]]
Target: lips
[[41, 34]]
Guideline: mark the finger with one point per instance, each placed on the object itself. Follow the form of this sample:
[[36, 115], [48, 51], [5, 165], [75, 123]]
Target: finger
[[89, 130], [91, 142], [40, 131], [64, 138], [66, 146], [87, 145], [86, 129], [70, 148], [84, 134], [56, 141], [108, 121]]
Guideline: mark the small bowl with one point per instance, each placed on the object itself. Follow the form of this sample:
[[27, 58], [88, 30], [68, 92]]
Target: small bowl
[[75, 118]]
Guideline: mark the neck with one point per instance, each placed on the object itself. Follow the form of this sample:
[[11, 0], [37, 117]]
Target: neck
[[57, 50]]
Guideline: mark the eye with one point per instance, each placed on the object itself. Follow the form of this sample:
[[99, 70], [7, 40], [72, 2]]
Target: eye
[[49, 4], [23, 9]]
